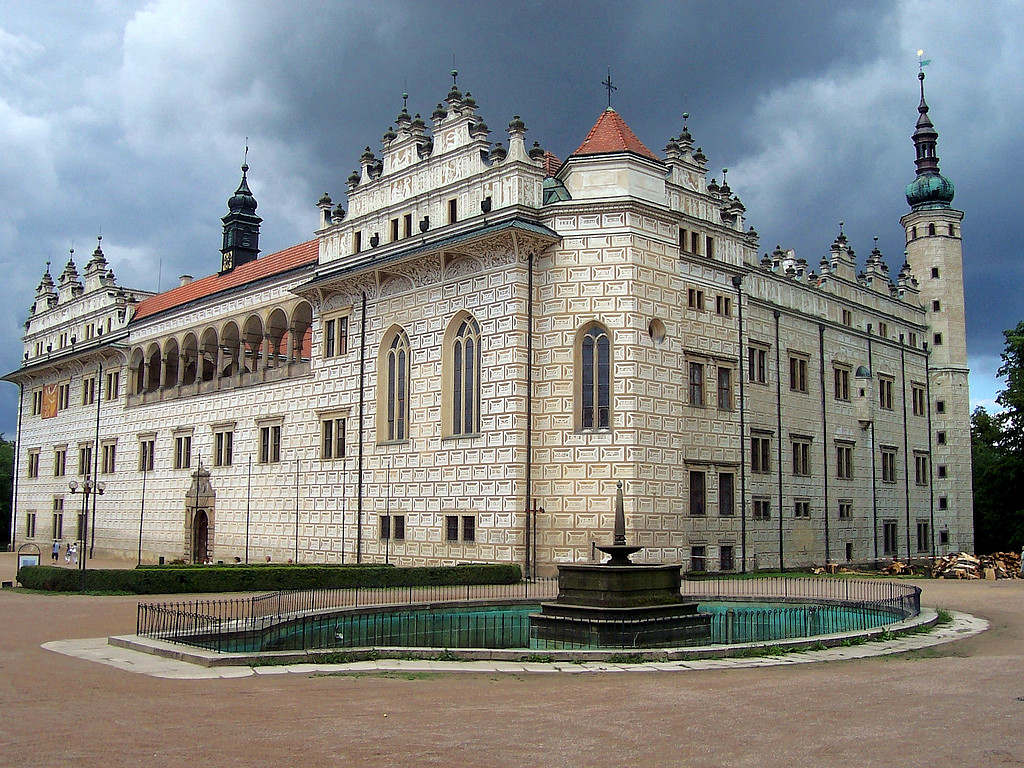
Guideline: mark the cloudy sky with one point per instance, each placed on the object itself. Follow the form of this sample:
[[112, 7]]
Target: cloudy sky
[[130, 118]]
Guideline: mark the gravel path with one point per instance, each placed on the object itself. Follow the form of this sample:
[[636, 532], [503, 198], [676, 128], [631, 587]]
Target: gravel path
[[953, 705]]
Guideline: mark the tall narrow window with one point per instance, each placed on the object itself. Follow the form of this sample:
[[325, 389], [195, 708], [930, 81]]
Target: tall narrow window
[[888, 465], [724, 388], [60, 461], [270, 444], [698, 493], [760, 455], [333, 445], [182, 451], [453, 211], [696, 384], [798, 374], [842, 383], [147, 449], [595, 379], [726, 494], [395, 387], [889, 537], [757, 365], [223, 447], [885, 393], [108, 459], [801, 457], [465, 385]]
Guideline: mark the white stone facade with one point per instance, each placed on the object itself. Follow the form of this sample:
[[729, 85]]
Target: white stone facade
[[422, 363]]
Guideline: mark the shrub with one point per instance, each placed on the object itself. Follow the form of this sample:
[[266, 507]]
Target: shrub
[[162, 580]]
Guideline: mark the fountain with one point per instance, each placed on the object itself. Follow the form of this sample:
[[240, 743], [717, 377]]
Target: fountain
[[619, 603]]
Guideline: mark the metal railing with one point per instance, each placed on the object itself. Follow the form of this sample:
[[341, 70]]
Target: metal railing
[[457, 616]]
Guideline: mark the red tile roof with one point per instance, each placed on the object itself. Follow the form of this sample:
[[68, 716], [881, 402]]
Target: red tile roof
[[611, 134], [551, 164], [266, 266]]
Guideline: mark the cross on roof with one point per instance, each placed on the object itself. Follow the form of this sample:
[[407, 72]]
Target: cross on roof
[[607, 83]]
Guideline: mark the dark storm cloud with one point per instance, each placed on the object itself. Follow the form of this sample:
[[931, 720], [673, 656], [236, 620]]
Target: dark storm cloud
[[133, 117]]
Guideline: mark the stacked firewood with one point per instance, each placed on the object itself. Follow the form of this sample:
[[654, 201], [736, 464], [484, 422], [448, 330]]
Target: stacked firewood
[[999, 565]]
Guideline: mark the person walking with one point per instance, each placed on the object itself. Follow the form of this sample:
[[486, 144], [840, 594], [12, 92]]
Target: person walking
[[74, 553], [55, 552], [67, 553]]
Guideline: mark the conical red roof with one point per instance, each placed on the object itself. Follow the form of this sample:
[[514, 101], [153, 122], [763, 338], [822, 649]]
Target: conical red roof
[[611, 134]]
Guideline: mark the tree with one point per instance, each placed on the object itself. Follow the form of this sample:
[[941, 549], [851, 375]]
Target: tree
[[6, 488], [997, 448]]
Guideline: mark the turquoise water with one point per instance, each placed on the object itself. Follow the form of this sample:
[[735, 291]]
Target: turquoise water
[[508, 626]]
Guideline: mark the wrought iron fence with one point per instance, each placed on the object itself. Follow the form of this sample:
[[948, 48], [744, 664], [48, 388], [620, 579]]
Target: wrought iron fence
[[459, 617]]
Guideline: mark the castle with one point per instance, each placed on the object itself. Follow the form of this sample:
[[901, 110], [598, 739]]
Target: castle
[[462, 365]]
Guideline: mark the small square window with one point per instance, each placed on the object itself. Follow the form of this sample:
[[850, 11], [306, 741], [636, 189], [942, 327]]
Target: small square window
[[698, 558], [943, 502], [936, 306], [935, 271], [937, 339], [940, 437], [940, 406]]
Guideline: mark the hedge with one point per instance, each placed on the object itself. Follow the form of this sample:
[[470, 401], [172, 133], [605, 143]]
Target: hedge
[[163, 580]]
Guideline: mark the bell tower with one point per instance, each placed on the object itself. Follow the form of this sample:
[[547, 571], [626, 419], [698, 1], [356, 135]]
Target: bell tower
[[241, 227], [935, 256]]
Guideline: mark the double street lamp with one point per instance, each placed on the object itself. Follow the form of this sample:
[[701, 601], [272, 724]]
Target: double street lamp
[[87, 488]]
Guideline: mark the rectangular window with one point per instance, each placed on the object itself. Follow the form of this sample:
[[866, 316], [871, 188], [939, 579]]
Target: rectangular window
[[801, 457], [888, 465], [918, 398], [333, 443], [709, 247], [923, 539], [223, 447], [943, 538], [885, 393], [60, 462], [88, 390], [146, 450], [398, 527], [698, 558], [726, 560], [270, 444], [84, 460], [697, 384], [33, 463], [407, 225], [940, 437], [182, 451], [683, 240], [883, 330], [698, 494], [757, 365], [942, 470], [451, 527], [357, 242], [724, 388], [936, 306], [845, 509], [847, 317], [453, 211], [336, 336], [943, 502], [920, 469], [798, 374], [849, 551], [468, 528], [844, 461], [841, 377], [889, 537], [912, 338], [58, 517], [937, 339], [761, 508], [760, 454], [37, 402], [801, 508], [723, 305], [113, 385], [695, 243], [940, 406], [80, 526], [394, 230], [63, 396], [108, 458], [726, 494], [385, 527], [30, 525], [695, 298]]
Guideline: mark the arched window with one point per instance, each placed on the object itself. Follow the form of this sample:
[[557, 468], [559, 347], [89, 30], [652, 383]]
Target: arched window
[[595, 379], [395, 386], [465, 377]]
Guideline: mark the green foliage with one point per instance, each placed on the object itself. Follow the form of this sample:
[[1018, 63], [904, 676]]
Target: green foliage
[[6, 488], [163, 580]]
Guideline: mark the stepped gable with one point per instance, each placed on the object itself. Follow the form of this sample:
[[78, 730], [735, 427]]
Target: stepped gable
[[611, 134], [273, 264]]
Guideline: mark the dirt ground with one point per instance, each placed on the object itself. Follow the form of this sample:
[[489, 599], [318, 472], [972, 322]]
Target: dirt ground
[[956, 705]]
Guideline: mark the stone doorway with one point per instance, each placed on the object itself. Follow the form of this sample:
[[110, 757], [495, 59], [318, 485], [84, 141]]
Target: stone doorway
[[199, 519]]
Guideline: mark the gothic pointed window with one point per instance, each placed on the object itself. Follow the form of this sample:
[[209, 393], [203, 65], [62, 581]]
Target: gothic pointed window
[[594, 378], [394, 387], [463, 350]]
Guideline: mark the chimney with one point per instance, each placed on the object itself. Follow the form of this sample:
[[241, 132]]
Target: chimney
[[184, 280]]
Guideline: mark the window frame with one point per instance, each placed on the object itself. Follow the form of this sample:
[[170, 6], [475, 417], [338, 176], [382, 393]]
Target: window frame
[[594, 378], [698, 493], [394, 386], [695, 384], [798, 380], [333, 437], [757, 364], [801, 452], [462, 366], [888, 461], [761, 454], [182, 450]]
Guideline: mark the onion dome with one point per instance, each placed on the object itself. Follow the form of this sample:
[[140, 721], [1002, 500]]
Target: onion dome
[[685, 136], [516, 125], [338, 214], [98, 260], [930, 189], [699, 156], [440, 113], [479, 130], [455, 95], [367, 157], [713, 187], [498, 153], [417, 123], [469, 102], [536, 152], [672, 146], [46, 284], [242, 201], [725, 189], [353, 178], [325, 200], [389, 135]]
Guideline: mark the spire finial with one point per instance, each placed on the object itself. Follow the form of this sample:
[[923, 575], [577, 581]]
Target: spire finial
[[686, 116], [841, 228], [245, 157], [405, 101], [607, 83], [455, 74]]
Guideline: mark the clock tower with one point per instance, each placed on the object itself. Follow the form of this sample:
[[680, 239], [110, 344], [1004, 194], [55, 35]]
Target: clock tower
[[241, 228]]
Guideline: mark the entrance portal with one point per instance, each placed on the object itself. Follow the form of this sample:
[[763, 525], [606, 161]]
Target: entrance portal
[[200, 519], [200, 537]]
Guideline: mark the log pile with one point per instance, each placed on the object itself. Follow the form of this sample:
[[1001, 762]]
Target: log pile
[[999, 565]]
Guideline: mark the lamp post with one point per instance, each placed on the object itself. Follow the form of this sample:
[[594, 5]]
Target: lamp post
[[87, 488]]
